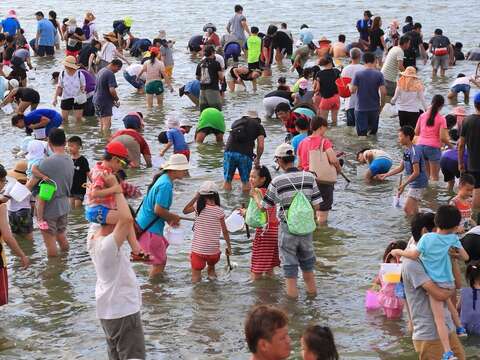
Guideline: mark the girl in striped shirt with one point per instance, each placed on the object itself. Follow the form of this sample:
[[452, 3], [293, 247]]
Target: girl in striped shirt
[[209, 224]]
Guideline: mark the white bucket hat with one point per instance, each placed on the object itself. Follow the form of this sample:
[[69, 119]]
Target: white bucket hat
[[176, 162], [36, 150], [208, 188], [172, 123]]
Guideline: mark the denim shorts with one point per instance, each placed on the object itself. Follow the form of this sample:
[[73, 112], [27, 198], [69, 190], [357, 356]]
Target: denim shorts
[[96, 214], [461, 88], [133, 80], [380, 165], [295, 251], [431, 153], [233, 161]]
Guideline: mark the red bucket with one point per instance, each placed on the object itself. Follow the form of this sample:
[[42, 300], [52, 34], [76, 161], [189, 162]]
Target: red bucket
[[342, 86]]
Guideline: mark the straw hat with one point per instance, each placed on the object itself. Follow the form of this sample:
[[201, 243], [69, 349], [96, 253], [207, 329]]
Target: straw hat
[[208, 188], [19, 172], [176, 162], [110, 36], [324, 39], [410, 71], [71, 62]]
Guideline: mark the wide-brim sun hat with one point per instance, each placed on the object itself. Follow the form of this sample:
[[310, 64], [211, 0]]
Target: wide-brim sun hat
[[208, 188], [71, 21], [176, 162], [71, 62], [410, 71], [19, 172], [35, 149]]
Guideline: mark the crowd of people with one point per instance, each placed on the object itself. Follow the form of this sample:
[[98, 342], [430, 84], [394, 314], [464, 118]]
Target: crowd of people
[[285, 210]]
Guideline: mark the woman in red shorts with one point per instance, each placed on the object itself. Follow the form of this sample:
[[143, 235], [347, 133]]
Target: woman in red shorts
[[326, 92]]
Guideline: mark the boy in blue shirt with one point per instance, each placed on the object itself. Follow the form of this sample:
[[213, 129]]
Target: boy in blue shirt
[[302, 126], [415, 173], [433, 250], [176, 138]]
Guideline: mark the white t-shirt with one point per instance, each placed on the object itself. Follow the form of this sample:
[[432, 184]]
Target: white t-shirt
[[117, 293], [108, 52], [350, 71], [464, 80], [390, 66], [12, 204], [71, 84], [134, 70]]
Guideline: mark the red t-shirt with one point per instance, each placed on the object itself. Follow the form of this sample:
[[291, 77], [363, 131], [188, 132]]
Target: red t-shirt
[[311, 143], [144, 148]]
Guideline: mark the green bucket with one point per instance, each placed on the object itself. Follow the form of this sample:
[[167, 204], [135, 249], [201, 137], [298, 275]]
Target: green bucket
[[47, 190]]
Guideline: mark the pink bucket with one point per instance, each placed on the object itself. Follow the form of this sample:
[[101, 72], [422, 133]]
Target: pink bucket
[[371, 300]]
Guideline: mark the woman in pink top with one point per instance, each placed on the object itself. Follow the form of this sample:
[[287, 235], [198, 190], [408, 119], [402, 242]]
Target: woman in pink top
[[431, 132], [318, 126]]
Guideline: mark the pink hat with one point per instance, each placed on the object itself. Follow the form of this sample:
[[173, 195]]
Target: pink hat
[[12, 13], [459, 111]]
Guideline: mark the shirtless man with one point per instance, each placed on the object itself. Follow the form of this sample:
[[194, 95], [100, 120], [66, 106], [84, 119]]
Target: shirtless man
[[339, 50]]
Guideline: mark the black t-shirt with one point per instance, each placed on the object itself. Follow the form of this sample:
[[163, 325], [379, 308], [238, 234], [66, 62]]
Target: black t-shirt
[[195, 43], [280, 93], [471, 133], [375, 41], [471, 244], [282, 41], [213, 69], [27, 94], [253, 129], [85, 53], [79, 176], [407, 27], [73, 44], [415, 41], [327, 78]]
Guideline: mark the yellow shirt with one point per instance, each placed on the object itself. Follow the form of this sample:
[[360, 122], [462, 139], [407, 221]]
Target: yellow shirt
[[254, 45]]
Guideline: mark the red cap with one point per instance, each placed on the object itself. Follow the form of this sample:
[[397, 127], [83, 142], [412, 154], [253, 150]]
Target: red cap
[[116, 148]]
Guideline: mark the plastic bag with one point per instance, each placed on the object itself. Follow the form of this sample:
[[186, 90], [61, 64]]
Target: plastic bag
[[300, 216], [255, 218]]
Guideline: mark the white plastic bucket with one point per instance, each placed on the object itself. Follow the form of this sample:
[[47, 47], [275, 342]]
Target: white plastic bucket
[[391, 272], [8, 109], [19, 192], [235, 222], [158, 161], [174, 235]]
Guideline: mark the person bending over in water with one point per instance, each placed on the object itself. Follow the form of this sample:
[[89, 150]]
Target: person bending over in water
[[379, 162]]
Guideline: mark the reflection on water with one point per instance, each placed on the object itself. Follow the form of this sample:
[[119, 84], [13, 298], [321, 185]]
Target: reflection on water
[[52, 312]]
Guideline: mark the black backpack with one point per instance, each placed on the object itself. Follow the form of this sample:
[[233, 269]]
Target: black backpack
[[239, 130]]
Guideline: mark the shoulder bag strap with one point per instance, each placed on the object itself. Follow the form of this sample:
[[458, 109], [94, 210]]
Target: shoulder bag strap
[[151, 222]]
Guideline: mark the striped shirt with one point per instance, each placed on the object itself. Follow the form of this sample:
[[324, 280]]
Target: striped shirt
[[207, 230], [283, 188]]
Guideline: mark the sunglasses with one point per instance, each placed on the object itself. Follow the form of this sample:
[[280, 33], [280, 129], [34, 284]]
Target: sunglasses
[[123, 162]]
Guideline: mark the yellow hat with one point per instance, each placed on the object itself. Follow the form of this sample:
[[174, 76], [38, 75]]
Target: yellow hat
[[128, 21]]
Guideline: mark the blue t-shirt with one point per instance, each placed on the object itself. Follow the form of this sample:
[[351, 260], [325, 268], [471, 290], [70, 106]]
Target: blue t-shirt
[[412, 156], [193, 87], [363, 27], [34, 117], [10, 25], [47, 33], [160, 194], [297, 139], [433, 248], [176, 137], [368, 82]]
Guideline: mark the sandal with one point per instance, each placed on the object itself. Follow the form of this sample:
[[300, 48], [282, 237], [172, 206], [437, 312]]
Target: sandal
[[140, 257]]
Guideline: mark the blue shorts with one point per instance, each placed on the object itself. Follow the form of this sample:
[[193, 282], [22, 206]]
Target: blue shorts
[[96, 214], [461, 88], [233, 161], [380, 165], [431, 153], [133, 80], [232, 50]]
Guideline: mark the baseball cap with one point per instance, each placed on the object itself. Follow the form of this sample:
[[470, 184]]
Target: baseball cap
[[284, 150], [476, 99], [116, 148], [208, 188]]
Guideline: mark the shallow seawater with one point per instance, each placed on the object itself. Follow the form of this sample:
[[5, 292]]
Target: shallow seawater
[[52, 309]]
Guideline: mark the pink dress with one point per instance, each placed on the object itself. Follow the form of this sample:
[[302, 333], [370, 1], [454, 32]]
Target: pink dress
[[392, 305]]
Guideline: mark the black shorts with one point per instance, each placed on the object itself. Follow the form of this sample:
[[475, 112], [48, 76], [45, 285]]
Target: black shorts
[[449, 169], [69, 104], [209, 130], [103, 110], [21, 221], [31, 97], [326, 190]]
